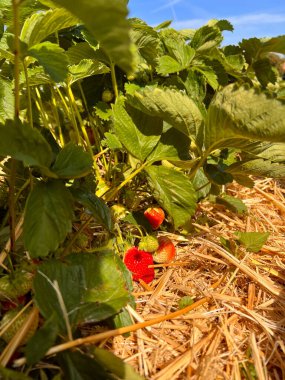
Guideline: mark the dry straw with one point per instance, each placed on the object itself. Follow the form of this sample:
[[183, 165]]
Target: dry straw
[[235, 329]]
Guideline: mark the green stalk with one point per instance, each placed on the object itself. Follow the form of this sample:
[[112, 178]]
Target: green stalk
[[56, 116], [92, 121], [201, 162], [30, 112], [16, 26], [40, 107], [70, 114], [114, 80], [79, 118], [110, 195], [12, 178], [76, 234]]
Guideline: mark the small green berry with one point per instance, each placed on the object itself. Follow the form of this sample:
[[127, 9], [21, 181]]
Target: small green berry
[[149, 244], [107, 96]]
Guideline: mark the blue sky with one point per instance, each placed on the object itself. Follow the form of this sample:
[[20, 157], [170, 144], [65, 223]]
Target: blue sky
[[250, 18]]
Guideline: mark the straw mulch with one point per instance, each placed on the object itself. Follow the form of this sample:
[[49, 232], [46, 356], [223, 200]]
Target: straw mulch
[[237, 329]]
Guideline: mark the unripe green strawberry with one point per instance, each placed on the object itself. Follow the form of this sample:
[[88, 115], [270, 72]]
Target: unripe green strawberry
[[165, 252], [22, 282], [107, 96], [12, 287], [149, 244], [82, 241], [17, 324], [6, 290]]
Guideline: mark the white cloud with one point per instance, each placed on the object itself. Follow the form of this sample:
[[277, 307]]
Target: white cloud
[[258, 18], [251, 19]]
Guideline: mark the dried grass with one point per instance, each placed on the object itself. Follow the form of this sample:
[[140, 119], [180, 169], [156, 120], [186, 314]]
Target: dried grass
[[240, 330]]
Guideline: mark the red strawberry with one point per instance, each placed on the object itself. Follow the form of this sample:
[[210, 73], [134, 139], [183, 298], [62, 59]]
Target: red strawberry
[[12, 304], [155, 216], [165, 252], [137, 262]]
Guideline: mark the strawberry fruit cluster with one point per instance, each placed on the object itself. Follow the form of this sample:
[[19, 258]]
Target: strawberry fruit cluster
[[151, 249]]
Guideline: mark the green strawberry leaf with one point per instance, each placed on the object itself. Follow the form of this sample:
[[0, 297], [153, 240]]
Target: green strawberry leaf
[[232, 203], [52, 58], [48, 217], [107, 21], [137, 131], [41, 341], [98, 289], [96, 206], [25, 144], [78, 366], [72, 162], [174, 192], [253, 241]]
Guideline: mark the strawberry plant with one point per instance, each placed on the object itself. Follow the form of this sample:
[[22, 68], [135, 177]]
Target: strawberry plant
[[101, 117]]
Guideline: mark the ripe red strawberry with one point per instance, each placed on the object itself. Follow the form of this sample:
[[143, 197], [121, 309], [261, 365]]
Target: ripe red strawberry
[[137, 262], [155, 216], [165, 252], [12, 304]]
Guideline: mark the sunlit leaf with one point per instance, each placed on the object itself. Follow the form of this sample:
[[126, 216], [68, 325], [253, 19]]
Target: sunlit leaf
[[172, 106], [85, 69], [205, 38], [232, 203], [137, 131], [6, 100], [52, 58], [41, 25], [107, 21], [258, 167], [241, 112], [174, 191], [253, 241]]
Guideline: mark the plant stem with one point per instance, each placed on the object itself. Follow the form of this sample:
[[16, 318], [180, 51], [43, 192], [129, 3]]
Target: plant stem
[[79, 118], [113, 192], [12, 178], [30, 112], [16, 26], [70, 115], [200, 163], [76, 234], [114, 80], [56, 116]]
